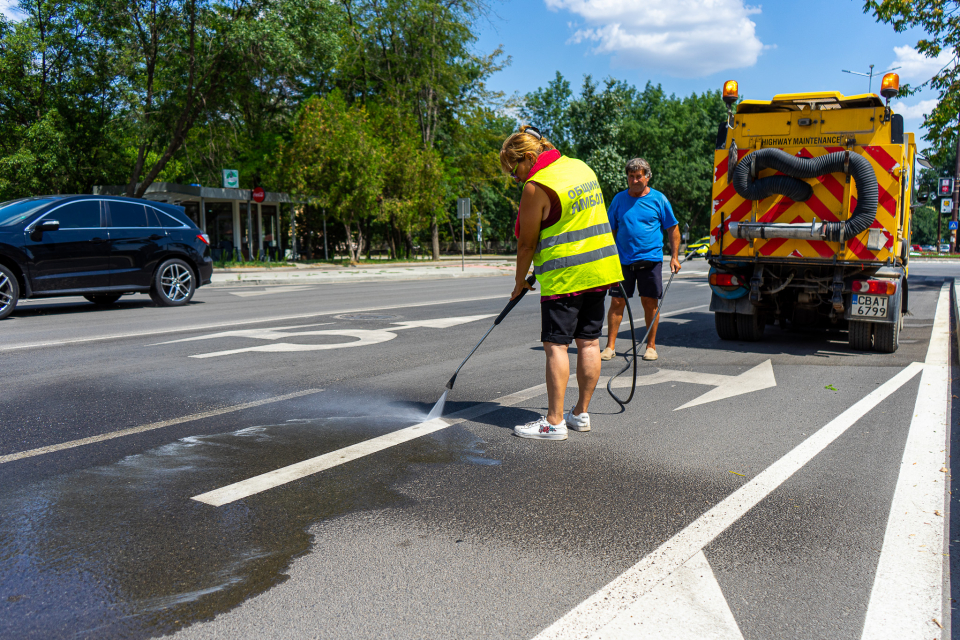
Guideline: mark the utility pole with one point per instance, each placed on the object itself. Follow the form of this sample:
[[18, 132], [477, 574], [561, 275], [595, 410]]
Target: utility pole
[[325, 255]]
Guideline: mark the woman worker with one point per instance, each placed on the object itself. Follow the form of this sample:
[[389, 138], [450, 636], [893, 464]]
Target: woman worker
[[562, 229]]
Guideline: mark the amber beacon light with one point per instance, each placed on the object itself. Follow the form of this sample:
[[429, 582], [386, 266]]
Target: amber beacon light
[[890, 85], [731, 91]]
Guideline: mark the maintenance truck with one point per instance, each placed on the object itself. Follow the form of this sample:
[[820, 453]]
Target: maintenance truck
[[810, 224]]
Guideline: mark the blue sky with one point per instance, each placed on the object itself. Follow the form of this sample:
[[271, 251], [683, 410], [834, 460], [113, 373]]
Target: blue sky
[[695, 45]]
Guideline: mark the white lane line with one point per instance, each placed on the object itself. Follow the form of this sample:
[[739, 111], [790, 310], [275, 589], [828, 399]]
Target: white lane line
[[269, 480], [153, 425], [599, 609], [238, 323], [689, 605], [907, 588], [299, 470]]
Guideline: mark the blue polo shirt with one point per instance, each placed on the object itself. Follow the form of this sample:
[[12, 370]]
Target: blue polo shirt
[[638, 225]]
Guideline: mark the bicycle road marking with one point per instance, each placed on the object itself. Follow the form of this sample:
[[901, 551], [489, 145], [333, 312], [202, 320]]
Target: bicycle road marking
[[238, 323]]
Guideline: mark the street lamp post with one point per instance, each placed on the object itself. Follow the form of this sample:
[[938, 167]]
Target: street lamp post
[[870, 75]]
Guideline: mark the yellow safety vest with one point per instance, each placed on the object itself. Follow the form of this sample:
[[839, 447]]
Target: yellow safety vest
[[578, 252]]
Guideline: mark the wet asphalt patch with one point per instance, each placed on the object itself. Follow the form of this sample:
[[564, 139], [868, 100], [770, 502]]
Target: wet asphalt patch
[[120, 550]]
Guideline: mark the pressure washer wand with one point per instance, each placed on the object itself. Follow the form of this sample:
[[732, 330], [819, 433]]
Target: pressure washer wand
[[531, 280]]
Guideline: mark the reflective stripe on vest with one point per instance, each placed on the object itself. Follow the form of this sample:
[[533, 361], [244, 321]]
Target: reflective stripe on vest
[[578, 252], [572, 236], [576, 260]]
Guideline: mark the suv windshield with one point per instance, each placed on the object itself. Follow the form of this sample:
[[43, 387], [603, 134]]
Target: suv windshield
[[14, 212]]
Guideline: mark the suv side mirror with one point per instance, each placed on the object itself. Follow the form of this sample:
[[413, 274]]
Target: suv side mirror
[[47, 225]]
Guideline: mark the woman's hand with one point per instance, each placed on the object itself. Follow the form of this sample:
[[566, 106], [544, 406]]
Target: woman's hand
[[521, 284]]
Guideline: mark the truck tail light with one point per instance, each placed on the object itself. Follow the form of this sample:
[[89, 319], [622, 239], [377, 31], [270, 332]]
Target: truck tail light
[[204, 238], [724, 280], [877, 287]]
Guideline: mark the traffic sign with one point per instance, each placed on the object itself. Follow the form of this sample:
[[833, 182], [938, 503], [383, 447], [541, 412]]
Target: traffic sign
[[945, 186], [946, 205], [953, 225], [463, 208], [231, 179], [258, 194]]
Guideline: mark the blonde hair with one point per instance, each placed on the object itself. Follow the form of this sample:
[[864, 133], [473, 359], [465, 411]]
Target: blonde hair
[[527, 140]]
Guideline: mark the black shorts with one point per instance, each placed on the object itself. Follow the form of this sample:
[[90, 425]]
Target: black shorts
[[564, 319], [646, 276]]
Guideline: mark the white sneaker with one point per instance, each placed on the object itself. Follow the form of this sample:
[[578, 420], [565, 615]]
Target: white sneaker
[[541, 430], [577, 422]]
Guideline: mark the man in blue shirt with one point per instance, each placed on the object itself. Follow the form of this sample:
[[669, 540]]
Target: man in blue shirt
[[639, 217]]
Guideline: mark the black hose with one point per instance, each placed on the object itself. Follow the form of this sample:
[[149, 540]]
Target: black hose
[[749, 187], [623, 403]]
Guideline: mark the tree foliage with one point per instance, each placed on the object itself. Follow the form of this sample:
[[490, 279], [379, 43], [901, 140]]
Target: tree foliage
[[940, 20]]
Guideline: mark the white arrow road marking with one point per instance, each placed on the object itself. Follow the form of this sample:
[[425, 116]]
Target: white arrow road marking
[[598, 610], [755, 379], [907, 588], [288, 289], [689, 605], [439, 323], [364, 337]]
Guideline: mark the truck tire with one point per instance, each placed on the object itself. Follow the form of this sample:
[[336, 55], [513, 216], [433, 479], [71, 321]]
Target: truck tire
[[859, 335], [726, 324], [886, 336], [750, 326]]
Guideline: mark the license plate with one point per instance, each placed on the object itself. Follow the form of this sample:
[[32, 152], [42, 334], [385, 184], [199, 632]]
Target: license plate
[[869, 306]]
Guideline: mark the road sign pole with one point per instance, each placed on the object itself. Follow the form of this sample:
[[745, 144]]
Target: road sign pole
[[462, 249]]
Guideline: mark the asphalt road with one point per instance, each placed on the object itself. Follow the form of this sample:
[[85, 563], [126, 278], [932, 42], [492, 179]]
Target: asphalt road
[[745, 493]]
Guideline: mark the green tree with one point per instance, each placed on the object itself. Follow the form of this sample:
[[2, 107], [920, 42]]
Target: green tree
[[415, 55], [190, 61], [335, 159], [58, 102], [940, 19]]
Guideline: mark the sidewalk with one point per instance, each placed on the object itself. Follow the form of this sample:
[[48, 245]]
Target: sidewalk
[[328, 274]]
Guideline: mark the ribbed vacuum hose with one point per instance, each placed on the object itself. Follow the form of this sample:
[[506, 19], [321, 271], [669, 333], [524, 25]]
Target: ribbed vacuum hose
[[789, 185]]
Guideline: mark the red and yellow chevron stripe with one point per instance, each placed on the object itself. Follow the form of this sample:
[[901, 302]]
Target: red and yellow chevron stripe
[[833, 199]]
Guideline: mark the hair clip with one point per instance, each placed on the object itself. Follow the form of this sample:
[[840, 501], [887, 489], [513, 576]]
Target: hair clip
[[533, 131]]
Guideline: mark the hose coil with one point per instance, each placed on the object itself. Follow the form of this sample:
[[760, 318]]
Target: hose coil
[[791, 184]]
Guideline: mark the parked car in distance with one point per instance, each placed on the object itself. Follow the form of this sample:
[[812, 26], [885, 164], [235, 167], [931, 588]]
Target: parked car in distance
[[944, 248], [701, 247], [99, 247], [928, 247], [916, 247]]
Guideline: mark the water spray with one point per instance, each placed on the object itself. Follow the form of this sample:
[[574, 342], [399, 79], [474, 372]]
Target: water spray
[[437, 410]]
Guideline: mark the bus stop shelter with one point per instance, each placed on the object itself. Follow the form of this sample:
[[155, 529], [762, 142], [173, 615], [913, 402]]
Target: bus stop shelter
[[228, 216]]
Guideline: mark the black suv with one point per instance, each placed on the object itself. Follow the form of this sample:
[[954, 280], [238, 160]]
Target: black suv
[[99, 247]]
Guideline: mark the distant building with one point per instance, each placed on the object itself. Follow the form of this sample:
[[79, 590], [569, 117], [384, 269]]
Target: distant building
[[226, 215]]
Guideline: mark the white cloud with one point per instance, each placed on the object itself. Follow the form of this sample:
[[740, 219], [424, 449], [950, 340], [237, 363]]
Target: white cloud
[[915, 111], [9, 9], [915, 67], [686, 38]]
